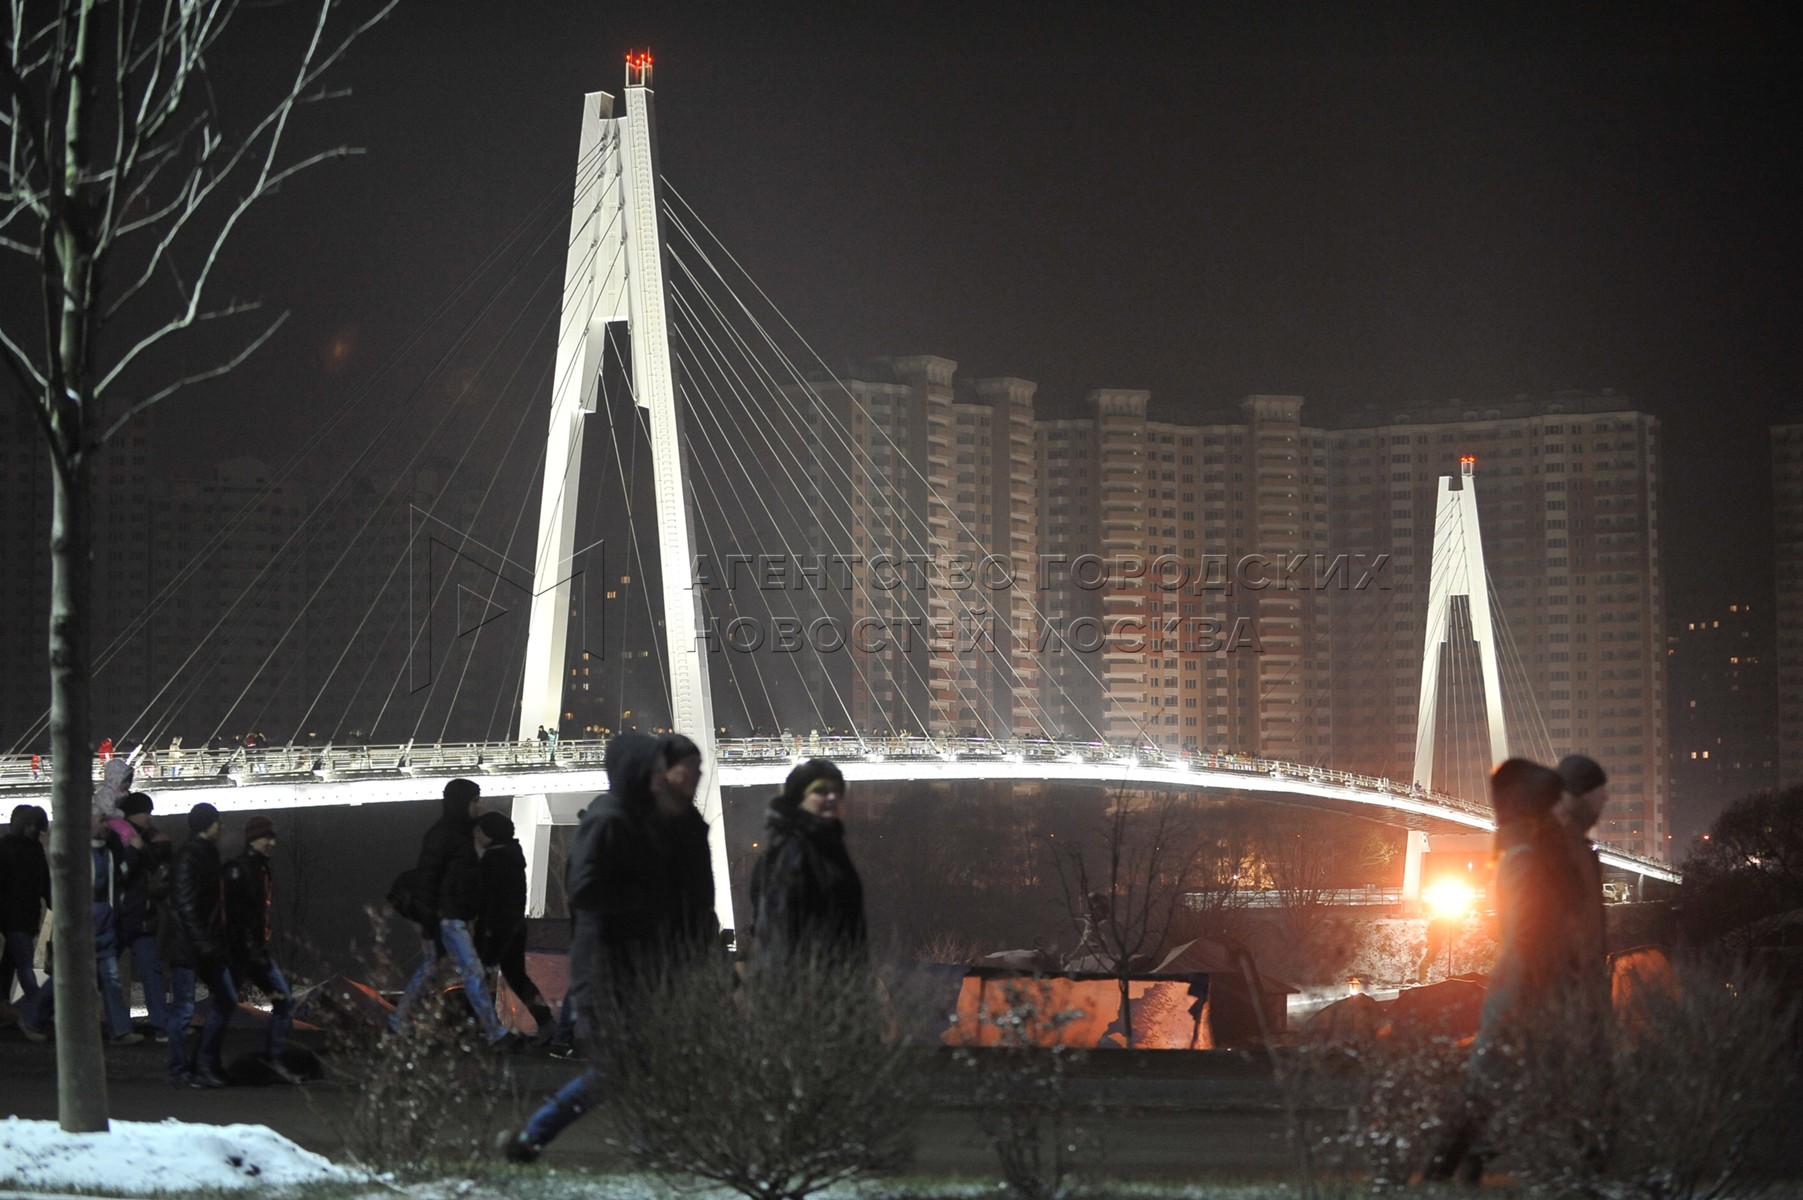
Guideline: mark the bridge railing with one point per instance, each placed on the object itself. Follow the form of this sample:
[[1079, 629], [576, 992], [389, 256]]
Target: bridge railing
[[255, 764]]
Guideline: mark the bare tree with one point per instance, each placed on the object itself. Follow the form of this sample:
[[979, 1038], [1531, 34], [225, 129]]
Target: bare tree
[[1125, 895], [122, 186]]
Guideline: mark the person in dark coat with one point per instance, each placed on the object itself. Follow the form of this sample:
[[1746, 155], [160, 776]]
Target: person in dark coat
[[1586, 792], [145, 879], [447, 865], [249, 898], [684, 832], [500, 929], [632, 895], [1538, 963], [806, 897], [24, 898], [108, 878], [194, 947]]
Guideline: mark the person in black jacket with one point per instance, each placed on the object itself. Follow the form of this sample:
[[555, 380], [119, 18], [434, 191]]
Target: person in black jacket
[[806, 897], [500, 929], [684, 832], [447, 866], [144, 886], [249, 897], [626, 886], [194, 946], [24, 898]]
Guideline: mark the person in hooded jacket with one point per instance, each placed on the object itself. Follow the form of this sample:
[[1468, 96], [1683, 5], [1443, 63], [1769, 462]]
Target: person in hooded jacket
[[806, 897], [500, 928], [1538, 961], [249, 884], [626, 887], [108, 852], [24, 899], [447, 866], [194, 947]]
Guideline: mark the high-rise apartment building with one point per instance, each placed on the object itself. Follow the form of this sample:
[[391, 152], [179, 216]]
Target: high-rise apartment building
[[1787, 520], [1724, 723], [121, 585]]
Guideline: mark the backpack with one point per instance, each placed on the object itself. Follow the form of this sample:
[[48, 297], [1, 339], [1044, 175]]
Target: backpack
[[411, 895]]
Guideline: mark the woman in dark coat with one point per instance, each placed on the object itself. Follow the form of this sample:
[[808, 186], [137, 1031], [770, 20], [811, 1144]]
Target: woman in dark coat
[[806, 897]]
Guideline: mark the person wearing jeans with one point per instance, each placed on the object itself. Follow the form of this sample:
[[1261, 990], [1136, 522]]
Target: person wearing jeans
[[196, 948], [249, 897], [144, 887], [448, 864]]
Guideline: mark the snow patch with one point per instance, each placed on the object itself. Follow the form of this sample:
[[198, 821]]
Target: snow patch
[[140, 1157]]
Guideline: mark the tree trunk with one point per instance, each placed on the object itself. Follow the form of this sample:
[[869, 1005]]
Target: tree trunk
[[1126, 1007], [80, 1064]]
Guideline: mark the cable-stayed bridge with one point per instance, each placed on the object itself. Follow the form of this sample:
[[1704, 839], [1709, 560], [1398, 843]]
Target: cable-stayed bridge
[[756, 453]]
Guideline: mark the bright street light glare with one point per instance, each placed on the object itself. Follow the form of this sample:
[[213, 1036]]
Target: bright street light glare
[[1448, 899]]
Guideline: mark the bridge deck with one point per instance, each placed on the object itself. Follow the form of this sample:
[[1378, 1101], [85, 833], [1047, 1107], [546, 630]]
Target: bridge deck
[[242, 779]]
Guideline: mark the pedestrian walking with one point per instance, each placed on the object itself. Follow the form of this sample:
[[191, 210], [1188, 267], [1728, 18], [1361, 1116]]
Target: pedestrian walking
[[147, 857], [500, 929], [108, 852], [1586, 792], [626, 886], [446, 891], [807, 900], [1537, 961], [194, 948], [249, 884], [24, 899]]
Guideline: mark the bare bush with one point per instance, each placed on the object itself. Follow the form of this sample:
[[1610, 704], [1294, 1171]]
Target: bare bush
[[1663, 1099], [1022, 1088], [1367, 1108], [789, 1084], [421, 1100]]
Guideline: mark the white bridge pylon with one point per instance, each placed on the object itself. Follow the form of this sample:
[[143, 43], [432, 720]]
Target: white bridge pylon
[[1458, 570], [615, 274]]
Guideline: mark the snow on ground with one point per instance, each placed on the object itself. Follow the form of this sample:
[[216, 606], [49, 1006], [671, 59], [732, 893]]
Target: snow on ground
[[140, 1157]]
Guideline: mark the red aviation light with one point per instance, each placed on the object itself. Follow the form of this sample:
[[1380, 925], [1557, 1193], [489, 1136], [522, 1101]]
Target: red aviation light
[[1467, 463], [638, 68]]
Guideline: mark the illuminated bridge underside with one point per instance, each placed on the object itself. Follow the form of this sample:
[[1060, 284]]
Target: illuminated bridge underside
[[282, 778]]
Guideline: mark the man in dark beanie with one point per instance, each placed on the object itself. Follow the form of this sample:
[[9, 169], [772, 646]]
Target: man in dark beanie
[[24, 898], [249, 897], [144, 881], [1586, 792], [447, 871], [806, 897], [500, 928], [194, 947]]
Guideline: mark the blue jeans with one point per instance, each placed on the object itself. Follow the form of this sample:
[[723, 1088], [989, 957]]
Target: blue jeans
[[112, 995], [208, 1055], [19, 949], [561, 1111], [565, 1034], [147, 961], [269, 981], [453, 939]]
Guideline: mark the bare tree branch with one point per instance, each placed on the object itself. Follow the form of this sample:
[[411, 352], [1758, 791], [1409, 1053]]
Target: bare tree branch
[[213, 372]]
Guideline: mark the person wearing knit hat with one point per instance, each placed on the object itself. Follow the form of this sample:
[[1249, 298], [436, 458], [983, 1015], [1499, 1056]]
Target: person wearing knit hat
[[194, 948], [806, 896], [145, 879], [249, 884], [1586, 791], [499, 930], [445, 881]]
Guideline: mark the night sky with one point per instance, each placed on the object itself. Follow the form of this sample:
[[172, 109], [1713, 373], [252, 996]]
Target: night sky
[[1359, 204]]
